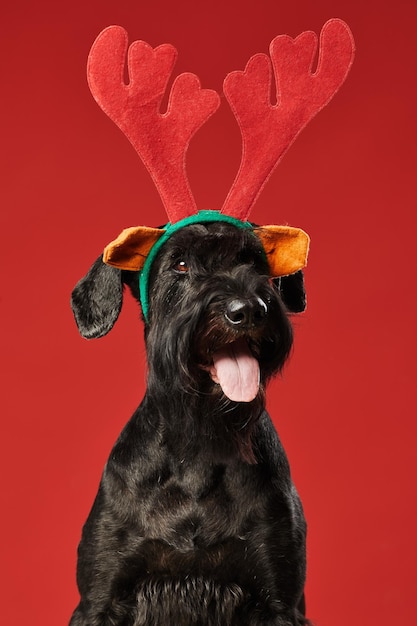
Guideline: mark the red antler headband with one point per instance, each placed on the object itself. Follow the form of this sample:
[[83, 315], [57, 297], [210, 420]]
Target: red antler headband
[[161, 140]]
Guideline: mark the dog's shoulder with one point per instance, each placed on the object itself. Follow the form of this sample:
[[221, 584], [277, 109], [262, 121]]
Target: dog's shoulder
[[269, 450]]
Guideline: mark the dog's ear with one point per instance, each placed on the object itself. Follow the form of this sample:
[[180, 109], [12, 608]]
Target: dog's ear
[[96, 300], [292, 291]]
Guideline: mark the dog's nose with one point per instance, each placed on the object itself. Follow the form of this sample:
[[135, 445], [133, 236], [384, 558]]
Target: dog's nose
[[246, 311]]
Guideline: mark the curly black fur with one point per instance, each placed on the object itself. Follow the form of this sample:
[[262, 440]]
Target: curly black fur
[[196, 521]]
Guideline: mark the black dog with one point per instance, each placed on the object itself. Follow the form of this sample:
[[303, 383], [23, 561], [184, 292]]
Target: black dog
[[197, 521]]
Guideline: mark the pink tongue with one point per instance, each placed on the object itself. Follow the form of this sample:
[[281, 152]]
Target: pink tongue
[[237, 372]]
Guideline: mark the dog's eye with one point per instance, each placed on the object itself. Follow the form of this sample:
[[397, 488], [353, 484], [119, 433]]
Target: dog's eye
[[181, 267]]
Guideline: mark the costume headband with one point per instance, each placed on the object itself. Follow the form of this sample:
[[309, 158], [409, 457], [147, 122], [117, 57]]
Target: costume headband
[[267, 130]]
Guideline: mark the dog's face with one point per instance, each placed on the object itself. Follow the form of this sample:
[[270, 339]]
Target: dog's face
[[214, 310]]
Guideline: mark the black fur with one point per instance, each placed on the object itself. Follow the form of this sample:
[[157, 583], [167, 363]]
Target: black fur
[[196, 521]]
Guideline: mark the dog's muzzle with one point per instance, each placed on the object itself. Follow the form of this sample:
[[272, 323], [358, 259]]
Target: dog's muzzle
[[235, 366]]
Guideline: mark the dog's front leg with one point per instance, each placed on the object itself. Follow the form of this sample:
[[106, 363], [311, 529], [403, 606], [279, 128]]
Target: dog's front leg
[[284, 542], [106, 596]]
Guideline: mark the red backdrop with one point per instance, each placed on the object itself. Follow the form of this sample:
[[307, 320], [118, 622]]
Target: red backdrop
[[346, 405]]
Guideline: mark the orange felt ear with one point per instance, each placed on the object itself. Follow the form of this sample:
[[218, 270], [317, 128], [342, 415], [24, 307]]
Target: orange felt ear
[[286, 248], [130, 249]]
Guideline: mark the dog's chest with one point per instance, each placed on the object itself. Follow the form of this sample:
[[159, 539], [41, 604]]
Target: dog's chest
[[199, 505]]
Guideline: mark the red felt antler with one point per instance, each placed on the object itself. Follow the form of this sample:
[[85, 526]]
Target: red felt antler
[[268, 130], [161, 140]]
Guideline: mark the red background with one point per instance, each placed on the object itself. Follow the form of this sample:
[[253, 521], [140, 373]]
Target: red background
[[346, 406]]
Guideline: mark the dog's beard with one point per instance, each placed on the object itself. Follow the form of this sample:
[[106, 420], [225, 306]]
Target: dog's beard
[[207, 375]]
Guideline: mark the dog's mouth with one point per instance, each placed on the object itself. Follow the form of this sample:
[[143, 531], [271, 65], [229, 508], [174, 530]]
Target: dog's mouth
[[236, 369]]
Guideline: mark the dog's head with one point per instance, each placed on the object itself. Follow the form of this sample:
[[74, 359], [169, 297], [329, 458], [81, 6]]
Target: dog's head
[[214, 314]]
